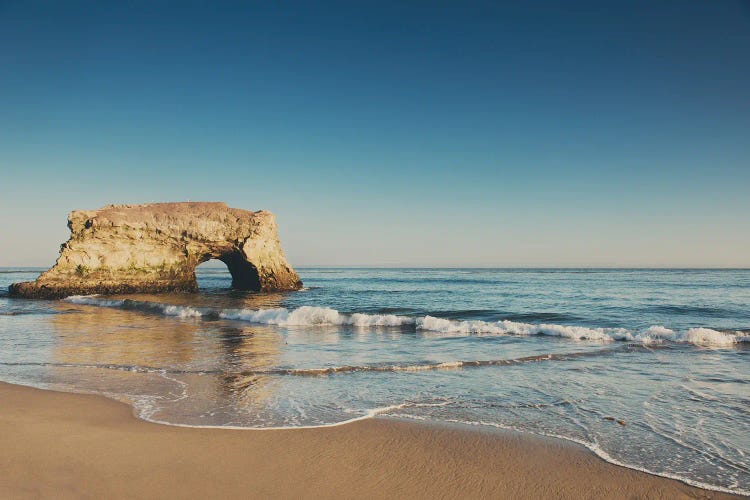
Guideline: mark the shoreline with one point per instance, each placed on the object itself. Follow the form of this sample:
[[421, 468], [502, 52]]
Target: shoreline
[[70, 445]]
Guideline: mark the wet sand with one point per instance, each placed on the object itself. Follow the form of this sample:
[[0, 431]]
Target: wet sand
[[60, 445]]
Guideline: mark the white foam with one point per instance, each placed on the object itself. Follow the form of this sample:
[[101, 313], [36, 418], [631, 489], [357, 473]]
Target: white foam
[[359, 319], [709, 337], [368, 414], [310, 316], [182, 311], [326, 316], [656, 334], [262, 316], [506, 327], [93, 300], [584, 333], [442, 325], [166, 309]]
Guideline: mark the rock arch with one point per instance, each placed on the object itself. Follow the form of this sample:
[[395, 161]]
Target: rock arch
[[156, 247], [245, 275]]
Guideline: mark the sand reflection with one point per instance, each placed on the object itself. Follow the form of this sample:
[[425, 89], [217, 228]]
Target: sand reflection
[[200, 369]]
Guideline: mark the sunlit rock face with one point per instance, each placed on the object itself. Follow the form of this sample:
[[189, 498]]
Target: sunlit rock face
[[156, 248]]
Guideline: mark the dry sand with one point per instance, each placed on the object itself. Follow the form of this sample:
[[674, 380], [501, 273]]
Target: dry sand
[[59, 445]]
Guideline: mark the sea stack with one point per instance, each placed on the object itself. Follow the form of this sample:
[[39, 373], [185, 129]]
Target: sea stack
[[156, 247]]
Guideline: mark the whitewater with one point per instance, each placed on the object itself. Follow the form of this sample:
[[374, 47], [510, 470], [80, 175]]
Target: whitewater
[[325, 316], [648, 368]]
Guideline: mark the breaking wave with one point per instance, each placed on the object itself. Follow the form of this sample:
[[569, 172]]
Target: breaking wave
[[325, 316]]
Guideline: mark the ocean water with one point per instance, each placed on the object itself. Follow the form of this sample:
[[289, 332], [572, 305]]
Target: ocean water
[[647, 368]]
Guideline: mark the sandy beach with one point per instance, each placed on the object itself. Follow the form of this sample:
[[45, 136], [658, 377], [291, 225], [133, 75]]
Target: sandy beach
[[60, 445]]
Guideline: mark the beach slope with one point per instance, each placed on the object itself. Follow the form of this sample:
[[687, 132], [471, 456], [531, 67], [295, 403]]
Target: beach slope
[[77, 446]]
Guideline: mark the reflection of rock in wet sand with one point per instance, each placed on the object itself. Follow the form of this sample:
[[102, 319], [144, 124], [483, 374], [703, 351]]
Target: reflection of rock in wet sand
[[128, 352], [94, 335]]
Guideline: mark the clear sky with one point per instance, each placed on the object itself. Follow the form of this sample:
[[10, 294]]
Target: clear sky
[[407, 133]]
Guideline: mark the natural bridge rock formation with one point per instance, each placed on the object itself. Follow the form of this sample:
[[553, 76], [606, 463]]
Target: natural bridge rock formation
[[156, 247]]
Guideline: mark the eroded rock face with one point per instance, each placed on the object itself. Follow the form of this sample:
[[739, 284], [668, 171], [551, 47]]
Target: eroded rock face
[[156, 248]]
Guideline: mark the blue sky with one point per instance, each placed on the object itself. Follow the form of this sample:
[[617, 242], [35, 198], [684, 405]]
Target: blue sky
[[408, 133]]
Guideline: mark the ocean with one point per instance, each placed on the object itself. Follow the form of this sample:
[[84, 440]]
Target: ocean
[[648, 368]]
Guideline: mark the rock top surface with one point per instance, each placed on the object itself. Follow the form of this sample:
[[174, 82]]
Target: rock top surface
[[156, 247]]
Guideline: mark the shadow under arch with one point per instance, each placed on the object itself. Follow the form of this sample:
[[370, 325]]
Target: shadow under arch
[[244, 274]]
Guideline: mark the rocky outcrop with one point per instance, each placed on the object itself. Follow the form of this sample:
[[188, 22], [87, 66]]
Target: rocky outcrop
[[156, 248]]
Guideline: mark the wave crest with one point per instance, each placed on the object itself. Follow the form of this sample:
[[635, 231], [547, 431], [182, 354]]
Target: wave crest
[[326, 316]]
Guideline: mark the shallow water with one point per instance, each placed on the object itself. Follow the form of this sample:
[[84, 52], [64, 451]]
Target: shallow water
[[648, 368]]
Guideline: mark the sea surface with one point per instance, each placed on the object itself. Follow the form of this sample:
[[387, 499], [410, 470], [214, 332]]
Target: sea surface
[[647, 368]]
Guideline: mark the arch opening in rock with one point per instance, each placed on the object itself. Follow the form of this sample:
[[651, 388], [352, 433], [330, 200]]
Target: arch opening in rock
[[244, 274], [212, 274]]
